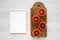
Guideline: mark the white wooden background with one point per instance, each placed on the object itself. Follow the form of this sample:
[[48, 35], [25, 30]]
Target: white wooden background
[[53, 19]]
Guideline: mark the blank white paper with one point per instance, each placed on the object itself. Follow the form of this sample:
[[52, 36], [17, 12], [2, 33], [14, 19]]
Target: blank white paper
[[18, 21]]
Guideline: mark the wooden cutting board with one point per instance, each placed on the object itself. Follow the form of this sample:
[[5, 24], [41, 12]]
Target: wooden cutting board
[[38, 20]]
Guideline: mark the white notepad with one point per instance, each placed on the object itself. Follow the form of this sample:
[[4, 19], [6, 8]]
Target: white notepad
[[18, 21]]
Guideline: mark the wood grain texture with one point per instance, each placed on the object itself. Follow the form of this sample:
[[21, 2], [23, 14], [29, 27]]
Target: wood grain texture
[[35, 12]]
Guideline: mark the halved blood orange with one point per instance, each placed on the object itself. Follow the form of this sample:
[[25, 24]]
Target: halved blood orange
[[42, 25], [36, 33], [41, 11], [35, 19]]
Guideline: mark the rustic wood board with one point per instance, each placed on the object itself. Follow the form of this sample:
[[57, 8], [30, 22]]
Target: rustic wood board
[[38, 20]]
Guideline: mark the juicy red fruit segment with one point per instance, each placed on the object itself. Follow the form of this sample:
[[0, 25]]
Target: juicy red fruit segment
[[36, 32], [42, 25], [41, 12], [36, 19]]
